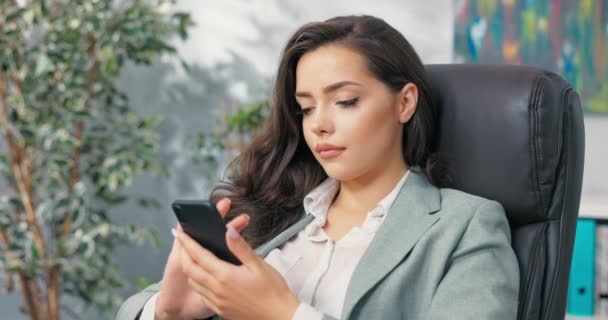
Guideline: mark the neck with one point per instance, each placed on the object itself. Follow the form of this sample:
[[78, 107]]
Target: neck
[[362, 194]]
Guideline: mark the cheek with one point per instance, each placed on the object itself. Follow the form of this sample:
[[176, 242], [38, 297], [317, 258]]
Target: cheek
[[307, 134], [369, 128]]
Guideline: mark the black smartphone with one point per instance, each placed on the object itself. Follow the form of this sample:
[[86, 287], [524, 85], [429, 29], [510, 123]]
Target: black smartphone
[[201, 220]]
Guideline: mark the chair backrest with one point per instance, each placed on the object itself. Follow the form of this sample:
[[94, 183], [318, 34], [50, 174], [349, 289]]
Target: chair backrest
[[515, 134]]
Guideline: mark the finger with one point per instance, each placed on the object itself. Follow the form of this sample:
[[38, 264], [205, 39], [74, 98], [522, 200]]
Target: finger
[[197, 273], [174, 233], [205, 294], [201, 256], [209, 303], [240, 248], [239, 223], [223, 206], [201, 290]]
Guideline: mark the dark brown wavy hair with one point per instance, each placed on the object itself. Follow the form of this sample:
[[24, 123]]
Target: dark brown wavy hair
[[270, 179]]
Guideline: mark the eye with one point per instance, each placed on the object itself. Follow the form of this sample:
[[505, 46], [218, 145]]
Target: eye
[[348, 103], [303, 112]]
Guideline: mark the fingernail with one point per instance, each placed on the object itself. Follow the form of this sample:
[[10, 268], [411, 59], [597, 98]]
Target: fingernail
[[174, 232], [232, 233], [246, 216], [225, 201]]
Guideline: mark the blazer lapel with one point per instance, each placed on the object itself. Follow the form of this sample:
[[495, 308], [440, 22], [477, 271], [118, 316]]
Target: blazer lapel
[[282, 237], [408, 219]]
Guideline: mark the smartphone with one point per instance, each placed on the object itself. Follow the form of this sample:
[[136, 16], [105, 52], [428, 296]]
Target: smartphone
[[201, 220]]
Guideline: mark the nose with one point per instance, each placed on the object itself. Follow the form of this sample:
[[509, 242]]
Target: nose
[[321, 121]]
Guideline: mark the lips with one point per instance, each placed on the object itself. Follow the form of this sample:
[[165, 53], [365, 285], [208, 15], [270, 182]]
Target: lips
[[329, 151], [328, 154]]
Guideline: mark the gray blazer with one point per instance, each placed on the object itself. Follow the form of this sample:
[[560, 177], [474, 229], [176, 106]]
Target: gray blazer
[[439, 254]]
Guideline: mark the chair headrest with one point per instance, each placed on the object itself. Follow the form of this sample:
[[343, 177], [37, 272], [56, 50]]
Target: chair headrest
[[507, 131]]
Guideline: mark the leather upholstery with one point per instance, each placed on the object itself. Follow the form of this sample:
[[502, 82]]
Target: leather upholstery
[[515, 134]]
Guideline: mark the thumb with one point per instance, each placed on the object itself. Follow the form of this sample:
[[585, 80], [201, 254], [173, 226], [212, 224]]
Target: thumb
[[238, 246]]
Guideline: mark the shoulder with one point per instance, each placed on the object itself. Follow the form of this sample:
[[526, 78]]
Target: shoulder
[[455, 199], [465, 212]]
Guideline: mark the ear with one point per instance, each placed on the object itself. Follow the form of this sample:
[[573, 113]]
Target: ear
[[408, 101]]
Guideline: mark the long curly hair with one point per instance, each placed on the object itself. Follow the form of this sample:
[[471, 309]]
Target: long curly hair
[[270, 179]]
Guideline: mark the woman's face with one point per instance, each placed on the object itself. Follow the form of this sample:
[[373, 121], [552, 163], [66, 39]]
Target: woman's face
[[349, 112]]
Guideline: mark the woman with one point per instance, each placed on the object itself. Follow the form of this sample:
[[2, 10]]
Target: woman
[[344, 202]]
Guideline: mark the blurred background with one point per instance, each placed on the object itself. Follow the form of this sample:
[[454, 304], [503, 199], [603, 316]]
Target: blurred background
[[174, 90]]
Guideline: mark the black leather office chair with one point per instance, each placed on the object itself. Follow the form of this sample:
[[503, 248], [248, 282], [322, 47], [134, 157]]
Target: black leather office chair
[[515, 134]]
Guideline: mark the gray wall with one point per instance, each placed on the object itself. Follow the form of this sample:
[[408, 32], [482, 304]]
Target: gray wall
[[594, 200]]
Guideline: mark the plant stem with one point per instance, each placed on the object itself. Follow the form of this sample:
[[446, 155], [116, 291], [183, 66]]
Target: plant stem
[[30, 289], [30, 298]]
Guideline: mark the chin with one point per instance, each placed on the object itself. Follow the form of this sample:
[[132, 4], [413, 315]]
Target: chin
[[339, 171]]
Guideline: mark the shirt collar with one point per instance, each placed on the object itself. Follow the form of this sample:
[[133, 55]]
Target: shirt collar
[[317, 201]]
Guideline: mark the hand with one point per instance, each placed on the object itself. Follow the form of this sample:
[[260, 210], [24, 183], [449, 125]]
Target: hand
[[253, 290], [176, 299]]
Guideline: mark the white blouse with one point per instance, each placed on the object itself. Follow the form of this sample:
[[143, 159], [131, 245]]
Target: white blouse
[[316, 269]]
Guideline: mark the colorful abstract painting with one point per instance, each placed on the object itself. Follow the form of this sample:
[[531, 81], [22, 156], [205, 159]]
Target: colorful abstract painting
[[569, 37]]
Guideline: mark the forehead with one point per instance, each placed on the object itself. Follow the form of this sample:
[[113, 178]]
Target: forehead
[[329, 64]]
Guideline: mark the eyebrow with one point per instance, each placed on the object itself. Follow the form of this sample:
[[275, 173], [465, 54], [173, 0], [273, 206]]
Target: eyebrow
[[329, 88]]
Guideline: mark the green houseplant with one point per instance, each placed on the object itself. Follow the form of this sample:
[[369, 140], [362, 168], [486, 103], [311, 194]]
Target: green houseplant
[[229, 138], [71, 143]]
